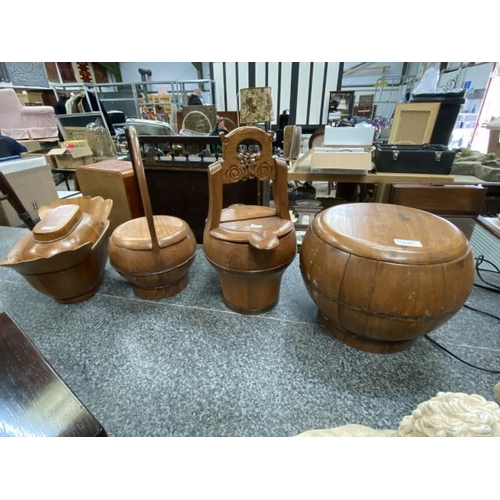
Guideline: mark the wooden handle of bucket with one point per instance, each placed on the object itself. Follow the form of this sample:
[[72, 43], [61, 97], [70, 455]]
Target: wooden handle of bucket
[[135, 156]]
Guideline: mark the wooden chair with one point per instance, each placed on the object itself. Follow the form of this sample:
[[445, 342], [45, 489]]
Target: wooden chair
[[250, 246], [8, 193]]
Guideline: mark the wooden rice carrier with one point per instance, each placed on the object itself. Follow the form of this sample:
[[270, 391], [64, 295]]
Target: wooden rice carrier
[[65, 254], [383, 275], [250, 246], [155, 252]]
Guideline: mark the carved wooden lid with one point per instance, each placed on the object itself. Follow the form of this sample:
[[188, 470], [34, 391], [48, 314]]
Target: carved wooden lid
[[391, 233], [252, 224], [66, 226], [57, 224], [134, 234]]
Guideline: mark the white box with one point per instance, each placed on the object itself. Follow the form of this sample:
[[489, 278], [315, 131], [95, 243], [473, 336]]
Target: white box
[[349, 136], [31, 179]]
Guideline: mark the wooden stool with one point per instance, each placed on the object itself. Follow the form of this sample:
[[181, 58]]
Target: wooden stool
[[153, 253], [382, 275], [250, 246]]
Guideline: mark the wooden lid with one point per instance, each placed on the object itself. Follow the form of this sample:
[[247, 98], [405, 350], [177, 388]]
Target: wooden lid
[[391, 233], [134, 234], [262, 233], [57, 224], [254, 224], [243, 212]]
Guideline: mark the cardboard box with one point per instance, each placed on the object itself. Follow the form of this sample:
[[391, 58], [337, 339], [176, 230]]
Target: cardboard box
[[355, 161], [31, 179], [49, 160], [346, 150], [71, 158], [347, 160]]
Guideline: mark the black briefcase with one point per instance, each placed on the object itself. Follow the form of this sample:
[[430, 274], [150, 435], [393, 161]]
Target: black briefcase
[[414, 159]]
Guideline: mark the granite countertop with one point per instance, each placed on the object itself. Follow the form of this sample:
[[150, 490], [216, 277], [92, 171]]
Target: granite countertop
[[189, 366]]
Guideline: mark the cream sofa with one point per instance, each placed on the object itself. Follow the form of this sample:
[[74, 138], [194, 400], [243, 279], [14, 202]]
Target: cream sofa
[[25, 122]]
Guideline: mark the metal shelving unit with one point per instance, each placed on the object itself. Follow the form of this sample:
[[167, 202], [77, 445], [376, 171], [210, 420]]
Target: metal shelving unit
[[391, 90], [126, 96]]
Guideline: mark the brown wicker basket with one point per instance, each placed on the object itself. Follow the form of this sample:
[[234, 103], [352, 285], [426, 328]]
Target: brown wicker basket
[[195, 123]]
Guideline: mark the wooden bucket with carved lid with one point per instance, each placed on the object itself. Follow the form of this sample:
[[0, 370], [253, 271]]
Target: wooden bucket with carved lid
[[250, 246], [65, 254]]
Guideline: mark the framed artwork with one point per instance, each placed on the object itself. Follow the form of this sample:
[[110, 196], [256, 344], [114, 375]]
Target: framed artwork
[[413, 122], [340, 104], [256, 105]]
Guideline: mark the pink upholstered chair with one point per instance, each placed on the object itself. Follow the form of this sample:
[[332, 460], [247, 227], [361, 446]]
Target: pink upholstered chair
[[25, 122]]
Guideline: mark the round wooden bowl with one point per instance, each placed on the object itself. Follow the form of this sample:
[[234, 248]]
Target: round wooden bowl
[[153, 273], [383, 275], [65, 254]]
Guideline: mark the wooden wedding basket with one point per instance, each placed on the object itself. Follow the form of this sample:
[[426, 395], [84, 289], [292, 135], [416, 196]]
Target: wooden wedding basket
[[155, 252]]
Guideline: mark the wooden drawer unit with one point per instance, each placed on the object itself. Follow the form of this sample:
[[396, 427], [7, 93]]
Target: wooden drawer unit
[[115, 180], [440, 199]]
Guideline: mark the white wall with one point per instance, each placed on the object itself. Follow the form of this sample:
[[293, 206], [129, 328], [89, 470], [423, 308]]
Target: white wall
[[303, 88], [161, 71], [309, 83]]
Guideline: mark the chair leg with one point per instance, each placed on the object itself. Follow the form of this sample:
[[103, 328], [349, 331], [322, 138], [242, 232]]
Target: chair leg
[[16, 203]]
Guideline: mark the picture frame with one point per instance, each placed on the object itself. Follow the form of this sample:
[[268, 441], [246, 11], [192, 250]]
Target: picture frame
[[413, 122], [340, 102]]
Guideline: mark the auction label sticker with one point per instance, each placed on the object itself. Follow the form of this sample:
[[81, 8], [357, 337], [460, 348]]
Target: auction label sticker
[[408, 243]]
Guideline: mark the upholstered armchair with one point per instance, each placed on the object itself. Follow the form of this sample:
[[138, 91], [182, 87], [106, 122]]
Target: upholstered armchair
[[25, 122]]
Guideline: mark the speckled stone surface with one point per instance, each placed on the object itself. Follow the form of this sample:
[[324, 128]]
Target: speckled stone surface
[[188, 366]]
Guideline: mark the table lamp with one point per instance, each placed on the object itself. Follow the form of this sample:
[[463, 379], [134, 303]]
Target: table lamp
[[256, 106]]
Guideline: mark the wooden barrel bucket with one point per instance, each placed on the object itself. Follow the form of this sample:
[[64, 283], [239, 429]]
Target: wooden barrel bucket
[[65, 254], [383, 275], [250, 276], [153, 253], [153, 274]]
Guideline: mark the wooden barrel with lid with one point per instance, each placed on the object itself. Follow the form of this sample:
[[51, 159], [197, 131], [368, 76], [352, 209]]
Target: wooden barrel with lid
[[153, 273], [383, 275], [153, 253], [250, 246], [250, 249], [65, 254]]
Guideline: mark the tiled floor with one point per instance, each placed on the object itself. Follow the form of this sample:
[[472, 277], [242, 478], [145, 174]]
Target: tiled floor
[[188, 366]]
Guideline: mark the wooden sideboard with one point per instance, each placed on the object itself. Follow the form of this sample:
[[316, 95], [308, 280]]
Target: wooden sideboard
[[178, 186]]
